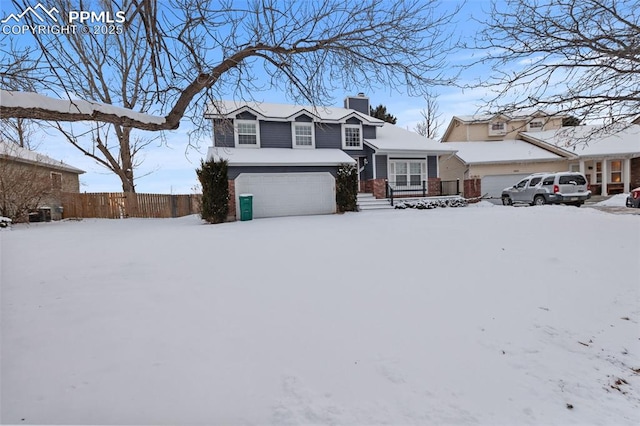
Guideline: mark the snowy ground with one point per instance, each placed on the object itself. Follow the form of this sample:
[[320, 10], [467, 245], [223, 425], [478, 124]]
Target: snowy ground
[[477, 315]]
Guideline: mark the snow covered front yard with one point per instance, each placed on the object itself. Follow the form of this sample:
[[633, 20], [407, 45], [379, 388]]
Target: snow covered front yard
[[476, 315]]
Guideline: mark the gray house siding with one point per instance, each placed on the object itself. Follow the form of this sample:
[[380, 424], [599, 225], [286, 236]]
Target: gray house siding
[[223, 133], [304, 119], [328, 136], [381, 167], [274, 134], [358, 103], [368, 132], [246, 116], [235, 171], [432, 166]]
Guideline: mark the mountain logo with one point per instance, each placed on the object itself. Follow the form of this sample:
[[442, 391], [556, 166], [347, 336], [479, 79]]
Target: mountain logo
[[38, 12]]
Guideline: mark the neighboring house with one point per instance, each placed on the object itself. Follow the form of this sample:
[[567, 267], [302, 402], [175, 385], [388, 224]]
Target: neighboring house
[[492, 127], [489, 150], [288, 156], [610, 159], [32, 181], [498, 150]]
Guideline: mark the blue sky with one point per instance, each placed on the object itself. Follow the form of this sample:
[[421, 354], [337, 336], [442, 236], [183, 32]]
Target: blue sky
[[169, 165]]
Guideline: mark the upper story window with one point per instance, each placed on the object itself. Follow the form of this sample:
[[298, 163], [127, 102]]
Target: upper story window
[[56, 180], [535, 126], [497, 128], [351, 136], [247, 134], [303, 136]]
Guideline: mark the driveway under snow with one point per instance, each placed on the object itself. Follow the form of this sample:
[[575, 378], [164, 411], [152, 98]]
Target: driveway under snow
[[473, 315]]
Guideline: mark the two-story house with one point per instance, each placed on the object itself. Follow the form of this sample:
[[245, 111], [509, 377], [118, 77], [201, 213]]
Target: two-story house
[[287, 156], [497, 150]]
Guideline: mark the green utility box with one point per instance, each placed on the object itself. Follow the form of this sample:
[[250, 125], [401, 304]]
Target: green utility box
[[246, 206]]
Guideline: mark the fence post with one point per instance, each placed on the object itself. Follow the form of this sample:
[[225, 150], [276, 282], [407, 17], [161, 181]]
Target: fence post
[[458, 186], [424, 188]]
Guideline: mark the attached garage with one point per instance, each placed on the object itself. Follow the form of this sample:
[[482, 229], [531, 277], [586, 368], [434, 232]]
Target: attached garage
[[283, 181], [492, 185], [288, 194]]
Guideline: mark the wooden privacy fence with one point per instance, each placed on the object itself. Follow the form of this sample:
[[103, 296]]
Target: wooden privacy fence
[[118, 205]]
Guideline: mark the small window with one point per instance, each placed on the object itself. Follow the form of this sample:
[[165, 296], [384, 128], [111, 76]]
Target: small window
[[246, 133], [522, 184], [548, 181], [303, 135], [616, 171], [535, 126], [598, 172], [56, 180], [572, 179], [497, 128], [535, 181], [352, 136]]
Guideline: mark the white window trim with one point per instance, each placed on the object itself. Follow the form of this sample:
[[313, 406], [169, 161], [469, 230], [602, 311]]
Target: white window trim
[[235, 133], [535, 129], [423, 171], [293, 134], [493, 132], [344, 138]]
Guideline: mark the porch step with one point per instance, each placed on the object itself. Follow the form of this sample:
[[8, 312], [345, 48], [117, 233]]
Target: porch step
[[369, 202]]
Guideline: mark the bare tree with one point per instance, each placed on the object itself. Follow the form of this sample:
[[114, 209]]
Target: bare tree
[[23, 185], [581, 57], [430, 125], [200, 49]]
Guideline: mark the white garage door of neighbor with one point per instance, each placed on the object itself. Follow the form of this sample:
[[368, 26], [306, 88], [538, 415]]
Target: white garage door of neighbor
[[288, 194], [494, 184]]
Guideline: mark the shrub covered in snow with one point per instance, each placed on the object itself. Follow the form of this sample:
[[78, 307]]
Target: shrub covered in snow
[[5, 222], [427, 203], [213, 177], [347, 188]]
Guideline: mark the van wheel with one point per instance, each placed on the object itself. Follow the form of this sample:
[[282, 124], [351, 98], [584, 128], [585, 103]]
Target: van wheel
[[539, 201], [506, 201]]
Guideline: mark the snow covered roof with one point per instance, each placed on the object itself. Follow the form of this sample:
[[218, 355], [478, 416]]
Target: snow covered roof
[[501, 152], [279, 156], [17, 153], [71, 106], [391, 138], [591, 141], [514, 115], [287, 112]]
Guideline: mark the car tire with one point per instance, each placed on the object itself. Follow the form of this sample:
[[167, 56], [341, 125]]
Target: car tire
[[506, 201], [539, 200]]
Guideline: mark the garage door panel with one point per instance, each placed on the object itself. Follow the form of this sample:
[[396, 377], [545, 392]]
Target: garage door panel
[[492, 185], [288, 194]]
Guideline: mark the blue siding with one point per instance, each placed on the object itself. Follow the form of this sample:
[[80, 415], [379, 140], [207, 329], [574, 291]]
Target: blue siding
[[274, 134], [381, 167], [304, 119], [353, 120], [234, 171], [328, 136], [358, 103], [368, 132], [432, 166], [223, 133], [246, 116]]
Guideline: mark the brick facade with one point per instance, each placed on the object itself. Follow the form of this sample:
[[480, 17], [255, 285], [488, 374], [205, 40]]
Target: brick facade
[[433, 187], [232, 201], [378, 187], [472, 188]]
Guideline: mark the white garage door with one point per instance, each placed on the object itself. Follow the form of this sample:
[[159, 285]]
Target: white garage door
[[494, 184], [288, 194]]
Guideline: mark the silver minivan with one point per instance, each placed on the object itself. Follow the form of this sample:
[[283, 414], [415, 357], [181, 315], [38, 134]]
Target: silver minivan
[[549, 188]]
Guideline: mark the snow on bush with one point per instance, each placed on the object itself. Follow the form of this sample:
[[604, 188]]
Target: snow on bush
[[5, 222], [430, 203]]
